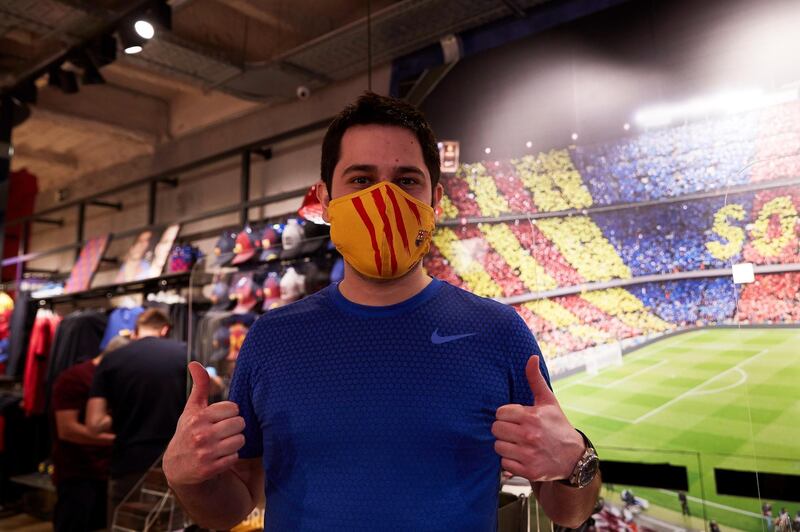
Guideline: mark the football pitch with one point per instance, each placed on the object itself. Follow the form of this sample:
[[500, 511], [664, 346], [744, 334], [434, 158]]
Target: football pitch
[[727, 398]]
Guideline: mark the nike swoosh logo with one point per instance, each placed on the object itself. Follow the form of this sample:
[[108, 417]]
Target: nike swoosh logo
[[436, 339]]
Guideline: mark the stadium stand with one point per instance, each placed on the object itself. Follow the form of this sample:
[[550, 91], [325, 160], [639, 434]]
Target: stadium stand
[[527, 256]]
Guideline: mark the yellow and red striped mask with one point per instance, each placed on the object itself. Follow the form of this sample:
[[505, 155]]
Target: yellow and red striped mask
[[381, 231]]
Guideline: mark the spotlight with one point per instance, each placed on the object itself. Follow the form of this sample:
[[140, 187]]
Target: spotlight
[[144, 29], [529, 144], [131, 41], [574, 136], [487, 151], [626, 127]]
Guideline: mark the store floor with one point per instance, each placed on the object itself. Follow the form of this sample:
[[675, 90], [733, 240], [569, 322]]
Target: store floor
[[24, 523]]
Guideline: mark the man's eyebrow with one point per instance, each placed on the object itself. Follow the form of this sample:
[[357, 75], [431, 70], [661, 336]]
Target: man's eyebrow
[[367, 168], [410, 170], [372, 169]]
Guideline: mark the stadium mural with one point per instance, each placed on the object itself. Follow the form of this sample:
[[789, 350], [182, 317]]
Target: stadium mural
[[661, 203]]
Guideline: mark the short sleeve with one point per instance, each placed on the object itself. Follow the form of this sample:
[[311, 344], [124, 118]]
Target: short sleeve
[[521, 345], [242, 391], [66, 394], [100, 381]]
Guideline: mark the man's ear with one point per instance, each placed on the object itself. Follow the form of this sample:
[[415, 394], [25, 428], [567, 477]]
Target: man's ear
[[164, 331], [438, 192], [324, 198]]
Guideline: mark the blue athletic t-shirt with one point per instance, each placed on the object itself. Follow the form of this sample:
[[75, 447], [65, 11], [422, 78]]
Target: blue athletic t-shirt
[[379, 418]]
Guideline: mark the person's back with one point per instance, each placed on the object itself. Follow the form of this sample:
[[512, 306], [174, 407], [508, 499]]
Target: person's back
[[139, 392], [145, 386]]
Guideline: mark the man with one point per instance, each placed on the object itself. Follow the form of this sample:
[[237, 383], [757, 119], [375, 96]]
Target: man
[[388, 401], [80, 457], [684, 503], [138, 393]]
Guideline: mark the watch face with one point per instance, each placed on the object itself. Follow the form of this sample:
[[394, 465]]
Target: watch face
[[588, 471]]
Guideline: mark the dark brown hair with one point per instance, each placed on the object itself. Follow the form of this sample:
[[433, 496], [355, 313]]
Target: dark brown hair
[[372, 108], [153, 318]]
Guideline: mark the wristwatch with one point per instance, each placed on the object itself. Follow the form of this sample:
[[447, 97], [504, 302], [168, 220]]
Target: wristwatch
[[586, 468]]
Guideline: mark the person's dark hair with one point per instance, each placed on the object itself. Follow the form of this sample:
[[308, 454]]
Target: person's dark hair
[[153, 318], [372, 108]]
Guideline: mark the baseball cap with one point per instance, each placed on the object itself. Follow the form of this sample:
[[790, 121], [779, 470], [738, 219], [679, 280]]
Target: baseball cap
[[311, 209], [271, 242], [245, 291], [246, 246], [315, 237], [292, 286], [272, 292], [223, 249], [292, 239], [219, 296], [221, 343]]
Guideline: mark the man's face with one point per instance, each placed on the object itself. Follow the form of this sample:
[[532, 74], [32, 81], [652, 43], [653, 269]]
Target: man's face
[[373, 153]]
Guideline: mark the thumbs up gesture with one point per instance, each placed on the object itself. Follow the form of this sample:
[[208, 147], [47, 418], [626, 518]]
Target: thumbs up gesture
[[207, 438], [537, 442]]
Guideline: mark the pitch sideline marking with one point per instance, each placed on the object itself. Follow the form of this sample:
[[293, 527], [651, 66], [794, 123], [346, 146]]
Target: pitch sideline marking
[[634, 374], [716, 505], [694, 389]]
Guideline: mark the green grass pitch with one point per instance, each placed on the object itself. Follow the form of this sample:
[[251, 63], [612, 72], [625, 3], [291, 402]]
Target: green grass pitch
[[708, 398]]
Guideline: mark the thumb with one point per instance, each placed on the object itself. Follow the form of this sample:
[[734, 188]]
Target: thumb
[[542, 394], [200, 385]]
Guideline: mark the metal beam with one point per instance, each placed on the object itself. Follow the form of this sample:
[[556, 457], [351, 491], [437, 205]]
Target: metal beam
[[116, 205], [112, 109], [45, 156]]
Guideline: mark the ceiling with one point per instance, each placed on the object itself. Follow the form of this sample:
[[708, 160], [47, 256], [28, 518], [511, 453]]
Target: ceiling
[[221, 58]]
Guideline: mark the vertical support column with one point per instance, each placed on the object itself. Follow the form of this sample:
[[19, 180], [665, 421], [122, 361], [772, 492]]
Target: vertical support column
[[6, 123], [245, 186], [151, 202], [80, 227]]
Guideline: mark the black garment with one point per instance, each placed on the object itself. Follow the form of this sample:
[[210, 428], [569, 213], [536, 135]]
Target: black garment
[[78, 338], [81, 505], [144, 384], [19, 332]]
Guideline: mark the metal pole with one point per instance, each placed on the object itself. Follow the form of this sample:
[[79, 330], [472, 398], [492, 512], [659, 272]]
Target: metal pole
[[702, 492], [151, 202], [245, 186], [80, 228], [6, 122]]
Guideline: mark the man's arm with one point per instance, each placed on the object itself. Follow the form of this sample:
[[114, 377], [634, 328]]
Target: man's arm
[[97, 418], [567, 506], [226, 499], [202, 464], [539, 443], [70, 429]]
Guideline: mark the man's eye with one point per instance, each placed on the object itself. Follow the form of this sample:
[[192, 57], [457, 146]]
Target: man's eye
[[360, 180], [408, 181]]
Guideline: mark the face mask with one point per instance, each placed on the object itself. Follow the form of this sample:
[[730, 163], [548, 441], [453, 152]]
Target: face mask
[[381, 231]]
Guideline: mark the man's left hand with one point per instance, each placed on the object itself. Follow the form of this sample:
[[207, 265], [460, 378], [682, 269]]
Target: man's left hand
[[537, 442]]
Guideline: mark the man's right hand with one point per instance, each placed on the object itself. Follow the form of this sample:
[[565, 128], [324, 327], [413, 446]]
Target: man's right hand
[[207, 438]]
